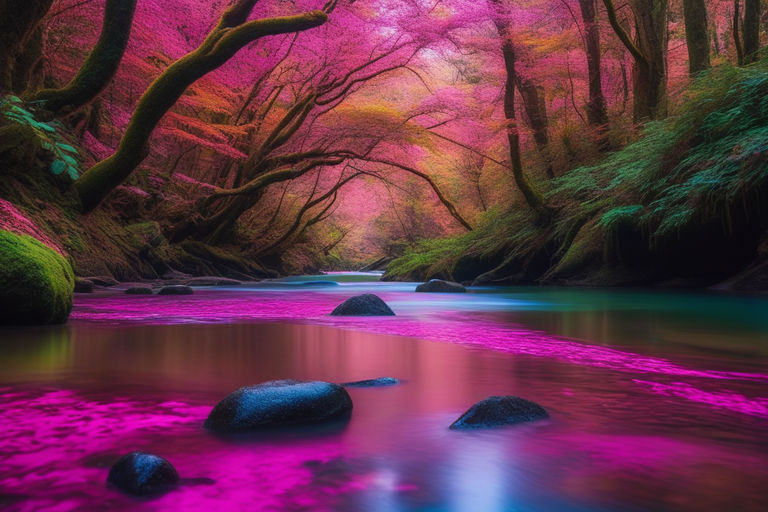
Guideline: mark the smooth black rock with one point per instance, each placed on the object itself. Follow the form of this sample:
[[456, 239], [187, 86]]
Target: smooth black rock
[[440, 286], [176, 289], [279, 403], [143, 473], [496, 411], [139, 290], [372, 383], [363, 305]]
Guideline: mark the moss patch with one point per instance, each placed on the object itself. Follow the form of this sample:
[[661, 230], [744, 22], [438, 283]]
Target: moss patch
[[36, 282]]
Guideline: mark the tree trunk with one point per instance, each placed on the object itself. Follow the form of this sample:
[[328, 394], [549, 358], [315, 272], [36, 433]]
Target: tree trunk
[[219, 46], [100, 66], [535, 105], [650, 77], [696, 35], [532, 196], [597, 115], [649, 50], [751, 30], [20, 40]]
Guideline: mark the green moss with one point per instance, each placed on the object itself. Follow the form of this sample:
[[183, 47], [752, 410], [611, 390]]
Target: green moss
[[36, 282]]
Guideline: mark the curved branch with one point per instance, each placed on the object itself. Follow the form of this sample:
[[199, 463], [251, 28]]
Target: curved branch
[[623, 35], [220, 46]]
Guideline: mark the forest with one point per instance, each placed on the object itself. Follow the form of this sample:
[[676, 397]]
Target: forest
[[551, 141]]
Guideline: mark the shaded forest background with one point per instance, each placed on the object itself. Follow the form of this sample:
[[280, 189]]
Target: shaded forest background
[[556, 141]]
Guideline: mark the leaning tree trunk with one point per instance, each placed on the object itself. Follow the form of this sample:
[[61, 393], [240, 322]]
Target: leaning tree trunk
[[20, 40], [751, 30], [100, 66], [231, 34], [696, 35], [597, 114]]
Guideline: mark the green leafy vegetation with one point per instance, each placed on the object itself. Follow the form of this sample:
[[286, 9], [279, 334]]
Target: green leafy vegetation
[[50, 135], [701, 173]]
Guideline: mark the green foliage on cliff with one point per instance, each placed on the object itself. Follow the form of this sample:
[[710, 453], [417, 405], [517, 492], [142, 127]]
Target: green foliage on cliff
[[702, 170]]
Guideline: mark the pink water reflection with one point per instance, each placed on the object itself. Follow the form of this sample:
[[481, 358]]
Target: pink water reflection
[[628, 431], [438, 323]]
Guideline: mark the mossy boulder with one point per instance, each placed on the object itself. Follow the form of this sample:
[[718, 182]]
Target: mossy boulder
[[36, 283]]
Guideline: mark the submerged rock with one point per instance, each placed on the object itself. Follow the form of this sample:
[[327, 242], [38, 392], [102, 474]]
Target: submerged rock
[[279, 403], [36, 282], [372, 383], [363, 305], [139, 290], [212, 281], [143, 473], [440, 286], [496, 411], [176, 289], [83, 285], [103, 280]]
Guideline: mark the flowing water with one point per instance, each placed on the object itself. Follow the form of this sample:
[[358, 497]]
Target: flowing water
[[658, 400]]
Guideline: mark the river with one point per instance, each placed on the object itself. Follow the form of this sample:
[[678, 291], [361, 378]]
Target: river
[[658, 400]]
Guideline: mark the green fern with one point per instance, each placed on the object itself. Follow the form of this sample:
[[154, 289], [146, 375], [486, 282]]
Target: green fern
[[51, 139]]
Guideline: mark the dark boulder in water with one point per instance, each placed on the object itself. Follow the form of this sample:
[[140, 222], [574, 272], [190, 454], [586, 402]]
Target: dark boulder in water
[[139, 290], [212, 281], [106, 281], [176, 290], [142, 474], [440, 286], [372, 383], [496, 411], [279, 403], [83, 285], [363, 305]]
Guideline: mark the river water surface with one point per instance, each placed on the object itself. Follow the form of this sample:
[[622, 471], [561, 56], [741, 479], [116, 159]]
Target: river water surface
[[658, 400]]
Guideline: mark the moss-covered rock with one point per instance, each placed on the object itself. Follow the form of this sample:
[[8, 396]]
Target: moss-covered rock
[[36, 282]]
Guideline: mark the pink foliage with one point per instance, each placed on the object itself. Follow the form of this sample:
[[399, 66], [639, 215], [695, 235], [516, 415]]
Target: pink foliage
[[13, 220]]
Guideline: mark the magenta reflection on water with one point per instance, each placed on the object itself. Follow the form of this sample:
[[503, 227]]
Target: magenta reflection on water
[[628, 431]]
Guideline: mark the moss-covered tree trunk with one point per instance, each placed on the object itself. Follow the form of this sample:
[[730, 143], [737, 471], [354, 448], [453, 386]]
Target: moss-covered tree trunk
[[231, 34], [20, 41], [101, 64], [751, 30], [597, 114], [696, 35]]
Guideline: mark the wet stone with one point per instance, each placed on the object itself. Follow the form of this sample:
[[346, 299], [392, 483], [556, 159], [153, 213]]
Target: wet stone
[[142, 474], [497, 411]]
